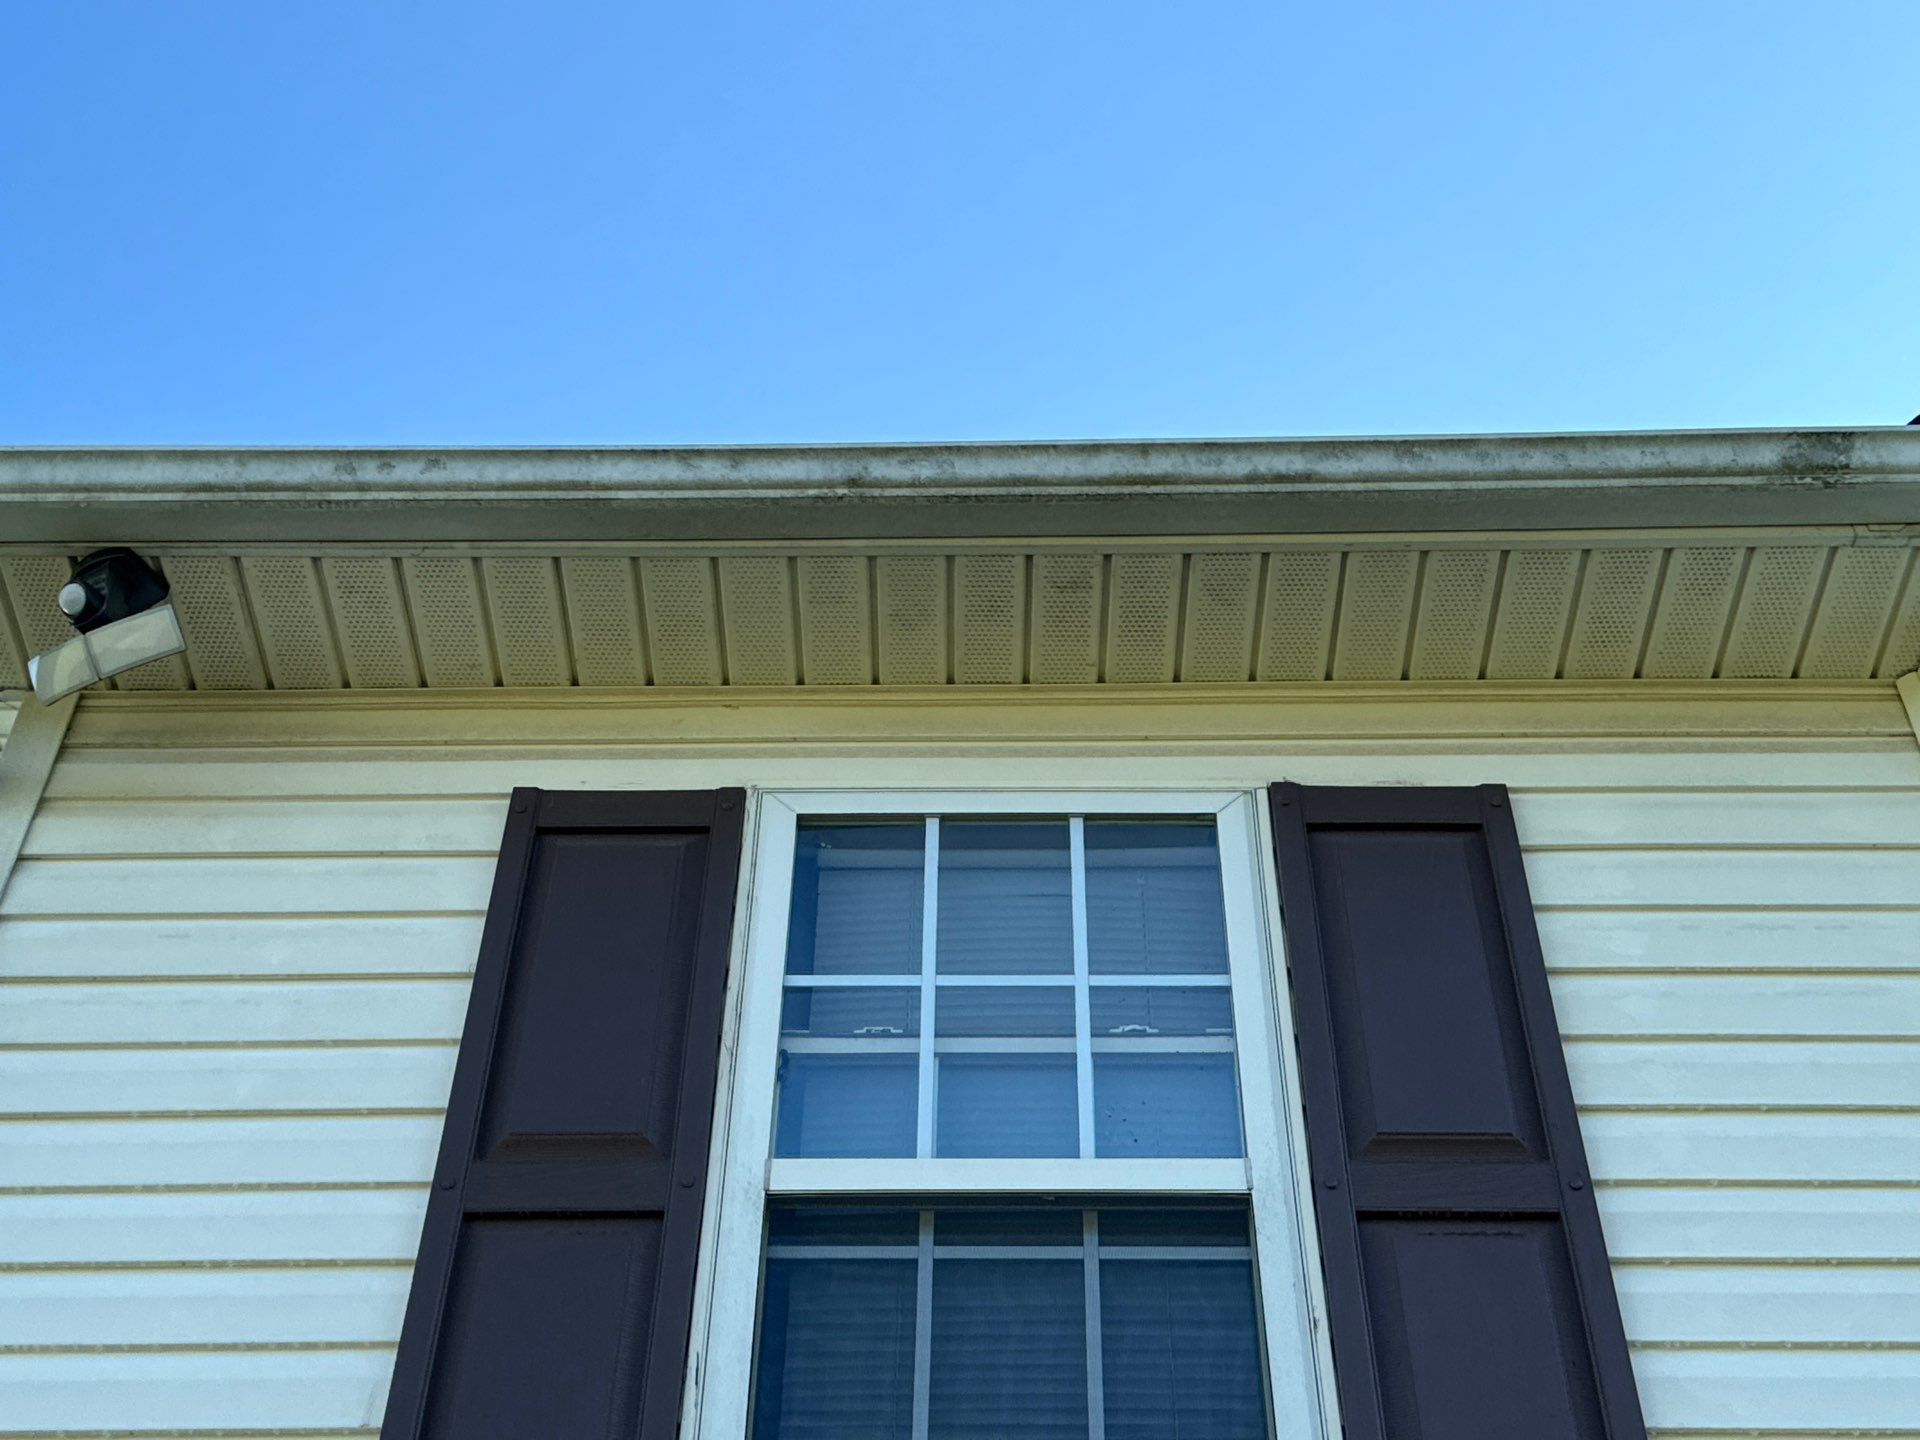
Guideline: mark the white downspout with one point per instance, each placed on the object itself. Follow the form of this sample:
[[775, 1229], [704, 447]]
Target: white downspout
[[25, 763]]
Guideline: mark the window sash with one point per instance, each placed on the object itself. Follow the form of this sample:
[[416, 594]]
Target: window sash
[[928, 1046], [1090, 1255], [1268, 1176]]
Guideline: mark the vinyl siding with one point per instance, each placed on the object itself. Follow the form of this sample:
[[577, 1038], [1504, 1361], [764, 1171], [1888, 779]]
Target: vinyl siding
[[233, 969]]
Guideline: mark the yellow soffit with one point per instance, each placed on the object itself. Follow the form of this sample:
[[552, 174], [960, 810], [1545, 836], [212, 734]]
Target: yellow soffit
[[1834, 603]]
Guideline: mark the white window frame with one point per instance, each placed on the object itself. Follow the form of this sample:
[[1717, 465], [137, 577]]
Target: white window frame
[[743, 1177]]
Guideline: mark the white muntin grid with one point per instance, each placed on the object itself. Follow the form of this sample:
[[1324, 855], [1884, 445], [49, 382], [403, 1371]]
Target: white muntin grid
[[747, 1175], [929, 1044]]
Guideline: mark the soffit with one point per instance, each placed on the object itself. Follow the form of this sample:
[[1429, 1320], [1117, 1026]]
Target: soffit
[[1831, 604]]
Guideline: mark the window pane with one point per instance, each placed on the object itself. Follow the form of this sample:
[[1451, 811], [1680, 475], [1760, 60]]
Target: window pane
[[857, 898], [1009, 1350], [1180, 1345], [1121, 1011], [1154, 902], [1006, 898], [1008, 1105], [836, 1350], [1004, 1010], [1165, 1105], [1009, 1345], [874, 1013]]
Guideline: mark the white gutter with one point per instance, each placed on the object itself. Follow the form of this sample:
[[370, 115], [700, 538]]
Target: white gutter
[[1671, 479]]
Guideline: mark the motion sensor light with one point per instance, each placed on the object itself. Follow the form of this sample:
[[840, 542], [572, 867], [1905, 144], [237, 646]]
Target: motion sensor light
[[118, 604]]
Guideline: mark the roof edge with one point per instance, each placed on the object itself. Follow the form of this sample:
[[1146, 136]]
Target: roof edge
[[80, 496]]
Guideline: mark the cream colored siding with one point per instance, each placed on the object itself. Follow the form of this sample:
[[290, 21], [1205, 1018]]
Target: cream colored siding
[[234, 961]]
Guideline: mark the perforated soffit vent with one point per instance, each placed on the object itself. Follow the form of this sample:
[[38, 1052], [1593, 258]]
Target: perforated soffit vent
[[1681, 608]]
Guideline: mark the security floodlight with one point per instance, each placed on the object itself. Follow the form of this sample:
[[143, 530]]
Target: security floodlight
[[118, 604]]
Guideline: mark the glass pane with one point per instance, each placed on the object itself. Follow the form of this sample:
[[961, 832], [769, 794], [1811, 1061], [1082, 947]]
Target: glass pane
[[847, 1105], [1180, 1349], [1154, 902], [836, 1350], [1217, 1226], [1007, 1105], [1119, 1011], [857, 898], [876, 1013], [1004, 1010], [1007, 1227], [1165, 1104], [789, 1225], [1006, 898], [1009, 1350], [1008, 1344]]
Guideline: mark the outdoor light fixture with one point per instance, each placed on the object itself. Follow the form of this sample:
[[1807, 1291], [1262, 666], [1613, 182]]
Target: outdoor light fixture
[[118, 603]]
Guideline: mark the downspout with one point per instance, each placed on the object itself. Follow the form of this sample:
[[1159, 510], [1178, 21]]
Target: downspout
[[25, 763]]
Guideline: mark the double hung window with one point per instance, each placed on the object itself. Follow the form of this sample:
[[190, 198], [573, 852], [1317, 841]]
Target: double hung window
[[1006, 1148]]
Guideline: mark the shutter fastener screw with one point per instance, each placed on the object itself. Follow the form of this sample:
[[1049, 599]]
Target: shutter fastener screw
[[1576, 1183]]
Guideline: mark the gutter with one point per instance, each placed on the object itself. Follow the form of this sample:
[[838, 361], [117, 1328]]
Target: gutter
[[1625, 480]]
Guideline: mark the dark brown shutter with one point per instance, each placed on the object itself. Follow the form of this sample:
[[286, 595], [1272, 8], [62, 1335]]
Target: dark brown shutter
[[1467, 1280], [553, 1293]]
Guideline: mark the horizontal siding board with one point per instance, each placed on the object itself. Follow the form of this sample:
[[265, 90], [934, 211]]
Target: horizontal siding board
[[318, 1150], [1770, 1304], [222, 1391], [228, 827], [1736, 1223], [1784, 818], [1742, 1004], [1794, 1148], [229, 1012], [336, 1305], [1836, 939], [320, 1227], [92, 1081], [252, 885], [1722, 877], [1771, 1073], [1815, 1390], [146, 946]]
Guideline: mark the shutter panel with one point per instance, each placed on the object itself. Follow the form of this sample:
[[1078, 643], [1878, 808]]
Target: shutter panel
[[1468, 1288], [554, 1288]]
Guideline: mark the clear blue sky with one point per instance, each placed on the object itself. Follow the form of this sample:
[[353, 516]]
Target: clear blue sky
[[363, 221]]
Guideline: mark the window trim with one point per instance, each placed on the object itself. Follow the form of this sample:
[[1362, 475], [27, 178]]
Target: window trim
[[1271, 1177]]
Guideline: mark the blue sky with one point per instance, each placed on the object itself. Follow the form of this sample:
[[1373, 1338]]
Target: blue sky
[[341, 221]]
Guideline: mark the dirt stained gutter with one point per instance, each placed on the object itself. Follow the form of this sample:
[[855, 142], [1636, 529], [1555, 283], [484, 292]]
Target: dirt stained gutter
[[1623, 480]]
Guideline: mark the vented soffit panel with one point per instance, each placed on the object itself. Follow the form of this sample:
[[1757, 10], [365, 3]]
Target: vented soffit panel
[[1820, 604], [77, 498]]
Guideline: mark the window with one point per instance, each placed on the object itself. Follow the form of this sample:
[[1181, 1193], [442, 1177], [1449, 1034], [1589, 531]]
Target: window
[[1006, 1149], [968, 987]]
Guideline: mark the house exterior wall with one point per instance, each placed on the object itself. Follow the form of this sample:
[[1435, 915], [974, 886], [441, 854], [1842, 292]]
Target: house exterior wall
[[235, 952]]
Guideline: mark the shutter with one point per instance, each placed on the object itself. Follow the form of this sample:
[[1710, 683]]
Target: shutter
[[554, 1288], [1467, 1281]]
